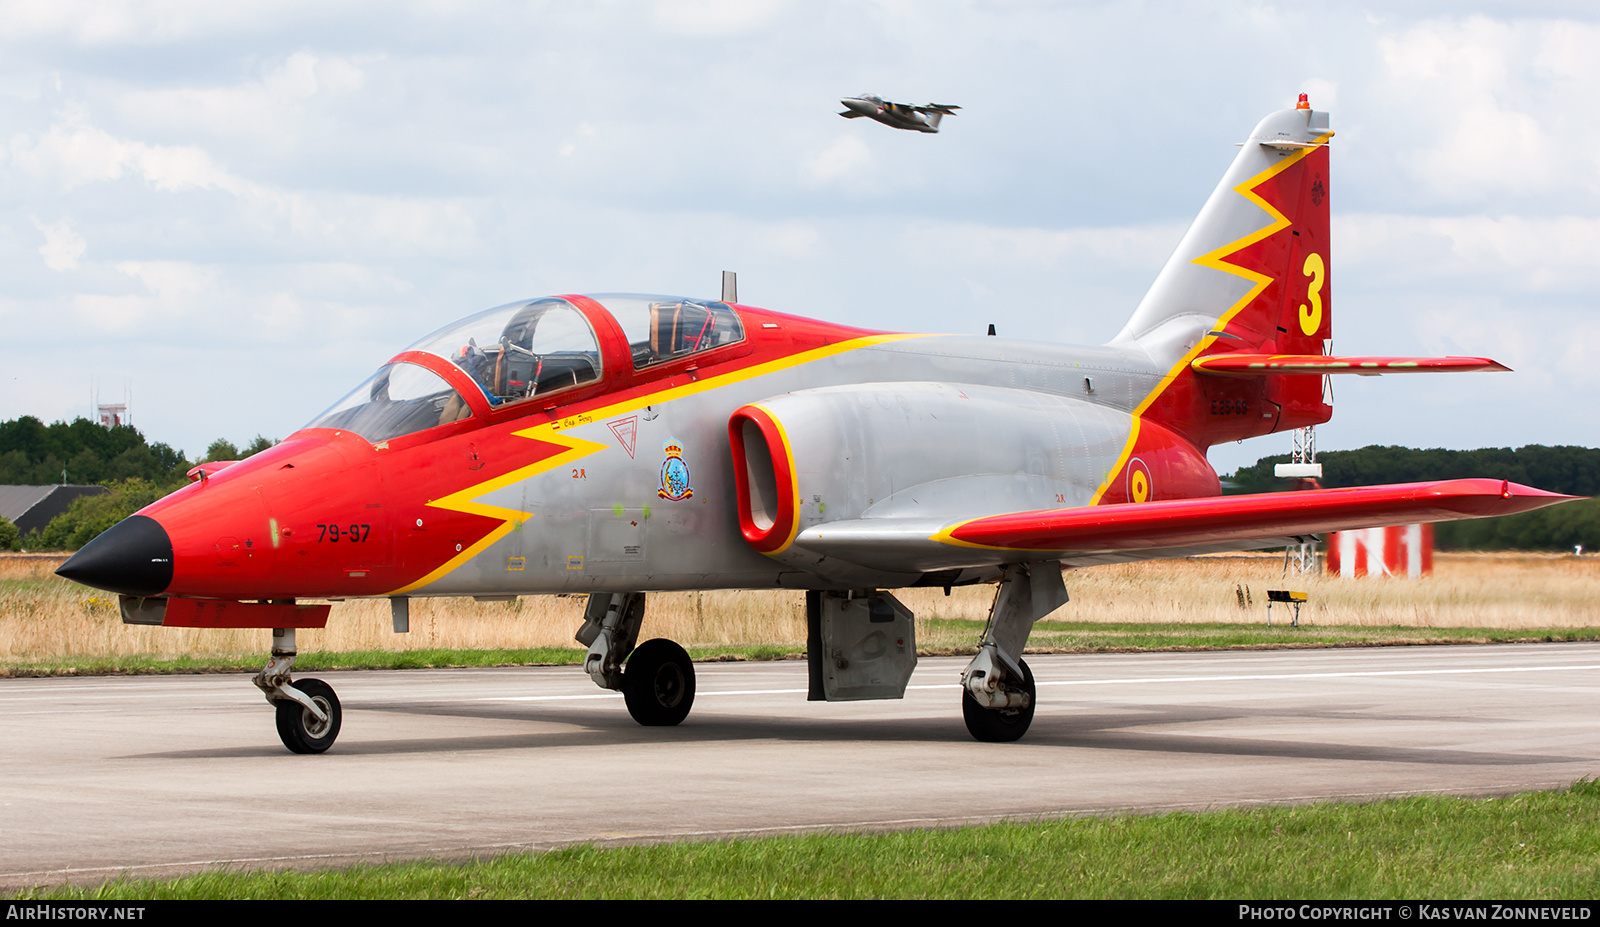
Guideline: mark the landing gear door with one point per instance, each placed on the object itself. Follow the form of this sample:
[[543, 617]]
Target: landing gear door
[[868, 646]]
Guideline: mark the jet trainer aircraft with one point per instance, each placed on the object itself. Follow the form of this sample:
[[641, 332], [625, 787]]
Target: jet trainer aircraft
[[897, 115], [617, 445]]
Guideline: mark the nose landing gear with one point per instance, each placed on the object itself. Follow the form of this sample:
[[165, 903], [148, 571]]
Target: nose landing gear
[[308, 712]]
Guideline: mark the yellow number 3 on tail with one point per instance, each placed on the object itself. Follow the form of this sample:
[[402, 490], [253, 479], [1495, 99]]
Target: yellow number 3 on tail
[[1311, 316]]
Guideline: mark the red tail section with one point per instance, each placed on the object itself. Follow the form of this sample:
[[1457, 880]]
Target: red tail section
[[1251, 276], [1286, 308]]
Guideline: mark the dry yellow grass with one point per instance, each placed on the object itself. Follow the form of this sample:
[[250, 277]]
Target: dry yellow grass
[[1466, 590], [43, 617]]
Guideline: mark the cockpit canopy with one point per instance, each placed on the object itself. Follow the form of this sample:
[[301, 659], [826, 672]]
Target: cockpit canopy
[[665, 328], [524, 350]]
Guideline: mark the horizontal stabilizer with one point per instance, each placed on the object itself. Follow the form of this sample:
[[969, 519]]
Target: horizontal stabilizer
[[1244, 365]]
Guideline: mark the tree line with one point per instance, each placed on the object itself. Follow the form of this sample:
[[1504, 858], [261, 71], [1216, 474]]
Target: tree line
[[135, 472], [1564, 469]]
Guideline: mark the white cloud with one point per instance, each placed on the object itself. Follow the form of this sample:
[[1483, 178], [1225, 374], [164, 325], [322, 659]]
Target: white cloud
[[1494, 106], [716, 17], [1323, 94], [291, 103], [62, 246], [74, 153], [1529, 254], [1138, 247], [846, 159], [172, 280]]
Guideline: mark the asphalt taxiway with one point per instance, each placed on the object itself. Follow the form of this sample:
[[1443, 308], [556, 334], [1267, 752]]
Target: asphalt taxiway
[[154, 776]]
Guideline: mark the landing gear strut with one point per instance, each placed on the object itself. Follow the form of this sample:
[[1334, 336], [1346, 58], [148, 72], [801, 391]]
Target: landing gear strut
[[308, 713], [998, 692], [657, 679]]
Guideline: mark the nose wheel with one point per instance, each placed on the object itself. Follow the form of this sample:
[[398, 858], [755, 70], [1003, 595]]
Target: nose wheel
[[308, 713], [300, 729], [658, 684]]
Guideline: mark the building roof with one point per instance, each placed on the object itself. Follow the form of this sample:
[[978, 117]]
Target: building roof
[[31, 507]]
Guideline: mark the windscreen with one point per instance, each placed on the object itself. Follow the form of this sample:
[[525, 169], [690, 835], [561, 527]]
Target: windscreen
[[397, 400]]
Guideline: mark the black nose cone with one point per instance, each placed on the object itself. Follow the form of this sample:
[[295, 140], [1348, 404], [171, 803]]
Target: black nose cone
[[133, 557]]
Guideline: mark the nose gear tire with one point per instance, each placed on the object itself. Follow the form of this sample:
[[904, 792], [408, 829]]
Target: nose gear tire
[[299, 729]]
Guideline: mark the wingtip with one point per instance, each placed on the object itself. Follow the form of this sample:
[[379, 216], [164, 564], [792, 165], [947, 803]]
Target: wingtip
[[1509, 489]]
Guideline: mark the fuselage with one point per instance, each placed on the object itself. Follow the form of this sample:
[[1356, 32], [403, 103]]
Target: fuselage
[[626, 482], [896, 115]]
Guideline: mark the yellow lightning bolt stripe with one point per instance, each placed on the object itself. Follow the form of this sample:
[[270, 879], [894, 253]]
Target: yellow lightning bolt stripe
[[1217, 260], [465, 500], [947, 536]]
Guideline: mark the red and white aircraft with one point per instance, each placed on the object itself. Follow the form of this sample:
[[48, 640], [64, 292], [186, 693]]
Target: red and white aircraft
[[616, 445]]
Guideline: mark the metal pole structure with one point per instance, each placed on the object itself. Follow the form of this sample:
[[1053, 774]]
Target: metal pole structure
[[1304, 554]]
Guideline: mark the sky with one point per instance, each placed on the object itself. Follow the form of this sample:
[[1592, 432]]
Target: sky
[[238, 211]]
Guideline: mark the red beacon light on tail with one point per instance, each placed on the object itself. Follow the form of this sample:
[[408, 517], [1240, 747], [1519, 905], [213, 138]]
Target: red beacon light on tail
[[1304, 103]]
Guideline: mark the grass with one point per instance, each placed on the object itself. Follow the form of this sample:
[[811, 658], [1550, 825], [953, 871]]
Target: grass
[[1537, 845], [1099, 637], [937, 637]]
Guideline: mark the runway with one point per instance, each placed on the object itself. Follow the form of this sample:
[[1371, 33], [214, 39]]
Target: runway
[[163, 775]]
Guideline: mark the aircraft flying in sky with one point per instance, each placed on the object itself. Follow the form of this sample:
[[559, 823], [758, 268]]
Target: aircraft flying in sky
[[899, 115], [617, 445]]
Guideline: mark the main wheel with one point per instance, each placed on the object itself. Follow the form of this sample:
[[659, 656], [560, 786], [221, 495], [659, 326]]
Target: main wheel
[[299, 729], [999, 725], [658, 684]]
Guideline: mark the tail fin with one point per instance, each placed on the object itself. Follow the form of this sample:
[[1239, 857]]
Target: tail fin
[[1250, 276]]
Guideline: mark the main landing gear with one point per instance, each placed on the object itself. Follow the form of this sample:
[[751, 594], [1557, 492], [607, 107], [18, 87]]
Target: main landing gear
[[998, 692], [657, 679], [309, 713]]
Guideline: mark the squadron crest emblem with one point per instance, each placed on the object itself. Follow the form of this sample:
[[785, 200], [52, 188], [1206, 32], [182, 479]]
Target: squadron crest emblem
[[674, 473]]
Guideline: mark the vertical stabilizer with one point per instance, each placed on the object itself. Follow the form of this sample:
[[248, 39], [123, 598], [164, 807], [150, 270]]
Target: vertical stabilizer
[[1248, 249], [1250, 275]]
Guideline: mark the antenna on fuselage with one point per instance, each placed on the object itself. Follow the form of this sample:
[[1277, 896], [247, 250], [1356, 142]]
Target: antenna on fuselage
[[730, 287]]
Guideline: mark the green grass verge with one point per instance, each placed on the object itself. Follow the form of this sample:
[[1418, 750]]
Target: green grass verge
[[937, 637], [310, 661], [1093, 637], [1536, 845]]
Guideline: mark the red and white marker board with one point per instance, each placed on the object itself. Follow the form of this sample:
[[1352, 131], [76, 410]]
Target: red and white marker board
[[1402, 550]]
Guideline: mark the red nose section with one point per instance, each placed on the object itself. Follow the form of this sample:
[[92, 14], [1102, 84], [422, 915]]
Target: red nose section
[[305, 518]]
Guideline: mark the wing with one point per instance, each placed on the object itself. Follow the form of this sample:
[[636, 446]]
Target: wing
[[851, 114], [1153, 530], [1245, 365]]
